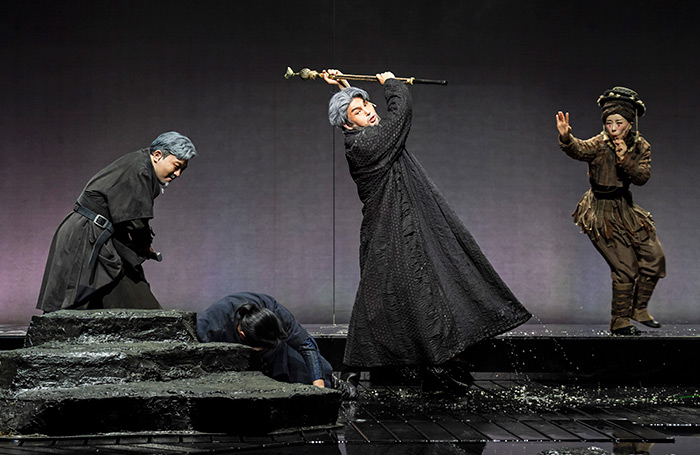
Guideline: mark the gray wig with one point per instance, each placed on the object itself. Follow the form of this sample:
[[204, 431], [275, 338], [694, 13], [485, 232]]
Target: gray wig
[[174, 143], [338, 106]]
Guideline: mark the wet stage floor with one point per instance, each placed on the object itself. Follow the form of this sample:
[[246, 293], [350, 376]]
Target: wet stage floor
[[507, 413], [499, 414]]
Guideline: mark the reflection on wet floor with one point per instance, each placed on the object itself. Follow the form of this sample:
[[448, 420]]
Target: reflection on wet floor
[[520, 416], [576, 404], [499, 414]]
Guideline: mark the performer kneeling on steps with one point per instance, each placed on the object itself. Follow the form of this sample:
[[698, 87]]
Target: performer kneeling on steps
[[288, 353]]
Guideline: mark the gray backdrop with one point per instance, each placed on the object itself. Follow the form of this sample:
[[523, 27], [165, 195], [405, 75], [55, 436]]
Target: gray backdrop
[[269, 206]]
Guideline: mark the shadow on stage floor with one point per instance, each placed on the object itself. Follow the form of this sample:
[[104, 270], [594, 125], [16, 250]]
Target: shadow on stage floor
[[550, 390]]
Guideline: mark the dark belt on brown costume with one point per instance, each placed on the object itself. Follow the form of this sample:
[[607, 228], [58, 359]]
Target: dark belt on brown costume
[[612, 192], [107, 231]]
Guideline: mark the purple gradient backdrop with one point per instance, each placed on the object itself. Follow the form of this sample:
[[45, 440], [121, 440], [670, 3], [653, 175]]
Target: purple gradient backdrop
[[268, 205]]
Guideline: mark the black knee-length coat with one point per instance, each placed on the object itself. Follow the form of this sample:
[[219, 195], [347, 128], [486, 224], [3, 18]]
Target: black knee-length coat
[[123, 193]]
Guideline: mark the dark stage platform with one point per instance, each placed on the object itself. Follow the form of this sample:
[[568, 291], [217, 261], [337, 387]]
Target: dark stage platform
[[569, 352], [551, 390]]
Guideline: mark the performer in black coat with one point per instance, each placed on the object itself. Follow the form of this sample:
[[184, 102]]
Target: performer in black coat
[[426, 290], [96, 254]]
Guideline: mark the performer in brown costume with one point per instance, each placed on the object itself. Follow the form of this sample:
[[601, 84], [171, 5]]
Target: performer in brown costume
[[620, 230]]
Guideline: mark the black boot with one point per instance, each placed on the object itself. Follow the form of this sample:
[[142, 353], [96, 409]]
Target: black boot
[[351, 376], [347, 385], [642, 295], [459, 371], [437, 378]]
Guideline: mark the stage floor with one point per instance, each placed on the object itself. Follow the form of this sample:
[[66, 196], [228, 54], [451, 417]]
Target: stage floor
[[530, 330], [504, 412], [500, 414], [525, 330]]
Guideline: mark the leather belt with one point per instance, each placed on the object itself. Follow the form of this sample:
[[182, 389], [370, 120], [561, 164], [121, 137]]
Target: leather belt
[[107, 231]]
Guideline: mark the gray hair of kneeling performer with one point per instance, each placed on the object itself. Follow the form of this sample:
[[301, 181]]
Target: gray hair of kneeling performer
[[338, 105], [174, 143]]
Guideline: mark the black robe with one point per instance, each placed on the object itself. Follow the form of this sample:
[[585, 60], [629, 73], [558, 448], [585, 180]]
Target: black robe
[[426, 290], [123, 192]]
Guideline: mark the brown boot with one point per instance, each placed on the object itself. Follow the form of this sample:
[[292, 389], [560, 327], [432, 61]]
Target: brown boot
[[622, 309], [642, 295]]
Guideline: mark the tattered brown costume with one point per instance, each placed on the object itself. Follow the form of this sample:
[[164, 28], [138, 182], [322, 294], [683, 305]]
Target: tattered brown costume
[[621, 230]]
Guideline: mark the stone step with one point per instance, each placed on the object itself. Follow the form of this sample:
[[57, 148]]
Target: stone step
[[238, 403], [101, 326], [71, 365], [105, 371]]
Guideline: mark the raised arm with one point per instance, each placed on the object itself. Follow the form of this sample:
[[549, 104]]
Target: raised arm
[[582, 150], [341, 83], [382, 77], [564, 127]]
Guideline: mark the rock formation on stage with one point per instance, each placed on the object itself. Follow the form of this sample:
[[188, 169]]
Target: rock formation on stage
[[99, 371]]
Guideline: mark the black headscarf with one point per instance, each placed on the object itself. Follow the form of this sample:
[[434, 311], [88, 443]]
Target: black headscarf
[[623, 101], [623, 108]]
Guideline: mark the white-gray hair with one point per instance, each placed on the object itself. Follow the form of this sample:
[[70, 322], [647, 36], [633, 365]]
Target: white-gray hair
[[174, 143], [338, 105]]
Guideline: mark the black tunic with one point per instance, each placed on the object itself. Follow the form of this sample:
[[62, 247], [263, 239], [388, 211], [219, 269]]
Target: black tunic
[[426, 290], [123, 192]]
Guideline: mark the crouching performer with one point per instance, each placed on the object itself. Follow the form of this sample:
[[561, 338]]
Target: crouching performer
[[96, 254], [621, 231], [288, 353]]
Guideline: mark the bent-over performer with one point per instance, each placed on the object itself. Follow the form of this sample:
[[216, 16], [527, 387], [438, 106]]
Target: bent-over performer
[[288, 353], [96, 254]]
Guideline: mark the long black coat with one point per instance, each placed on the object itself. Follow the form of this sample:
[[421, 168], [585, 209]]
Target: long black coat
[[122, 192], [426, 290]]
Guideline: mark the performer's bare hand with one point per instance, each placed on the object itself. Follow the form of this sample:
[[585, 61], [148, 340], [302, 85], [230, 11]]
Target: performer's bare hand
[[382, 77], [620, 148], [341, 83], [620, 145], [320, 383], [564, 127]]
